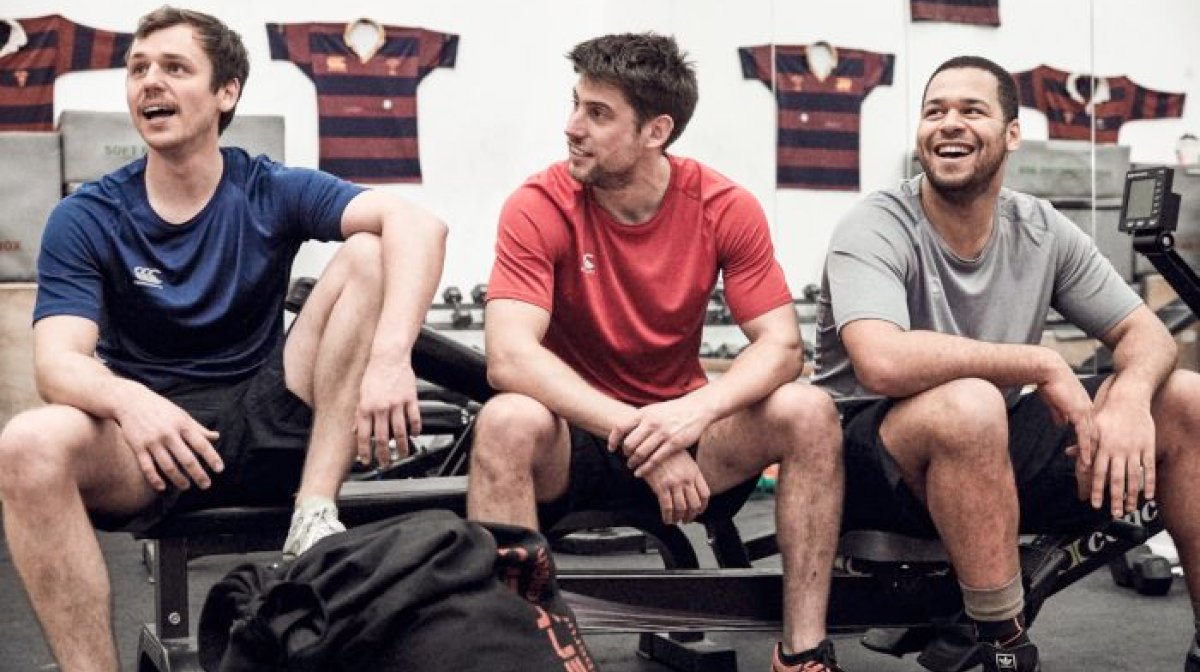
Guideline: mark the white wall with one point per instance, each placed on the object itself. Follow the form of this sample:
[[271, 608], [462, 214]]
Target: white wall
[[497, 115]]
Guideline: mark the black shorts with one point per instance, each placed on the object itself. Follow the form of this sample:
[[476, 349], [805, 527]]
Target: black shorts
[[264, 430], [877, 497], [600, 481]]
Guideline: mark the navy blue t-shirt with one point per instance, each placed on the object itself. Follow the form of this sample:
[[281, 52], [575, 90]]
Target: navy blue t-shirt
[[199, 301]]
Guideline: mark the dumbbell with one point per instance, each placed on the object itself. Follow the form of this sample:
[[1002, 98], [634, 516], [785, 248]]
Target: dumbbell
[[459, 318], [479, 294], [722, 314], [1140, 569], [811, 293]]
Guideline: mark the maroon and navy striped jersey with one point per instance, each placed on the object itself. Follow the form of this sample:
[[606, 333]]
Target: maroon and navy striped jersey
[[1064, 98], [818, 125], [38, 50], [367, 109], [978, 12]]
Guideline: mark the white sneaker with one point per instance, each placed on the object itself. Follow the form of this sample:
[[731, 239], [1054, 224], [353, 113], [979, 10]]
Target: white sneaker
[[310, 524]]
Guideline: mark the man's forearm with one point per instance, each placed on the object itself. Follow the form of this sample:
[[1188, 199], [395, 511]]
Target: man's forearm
[[538, 373], [413, 254], [912, 362], [84, 382], [759, 369]]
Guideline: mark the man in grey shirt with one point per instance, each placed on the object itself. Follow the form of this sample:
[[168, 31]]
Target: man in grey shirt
[[935, 298]]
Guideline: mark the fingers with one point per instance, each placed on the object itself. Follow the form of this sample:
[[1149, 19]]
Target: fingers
[[1099, 469], [645, 450], [616, 437], [149, 470], [200, 443], [1116, 486], [362, 438], [1149, 476], [381, 431], [1085, 437]]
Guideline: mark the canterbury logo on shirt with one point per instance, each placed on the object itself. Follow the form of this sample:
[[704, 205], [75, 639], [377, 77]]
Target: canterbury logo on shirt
[[147, 277], [589, 263]]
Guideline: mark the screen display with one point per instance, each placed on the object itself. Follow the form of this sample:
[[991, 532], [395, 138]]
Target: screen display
[[1141, 199]]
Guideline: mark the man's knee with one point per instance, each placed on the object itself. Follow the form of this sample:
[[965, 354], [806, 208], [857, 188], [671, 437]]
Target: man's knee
[[803, 420], [511, 431], [362, 253], [1177, 413], [962, 419], [34, 454]]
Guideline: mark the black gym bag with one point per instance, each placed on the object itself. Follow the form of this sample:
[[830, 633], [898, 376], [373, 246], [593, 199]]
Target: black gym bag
[[424, 591]]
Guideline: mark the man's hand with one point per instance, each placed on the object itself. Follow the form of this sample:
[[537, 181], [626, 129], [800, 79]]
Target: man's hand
[[166, 442], [387, 409], [658, 431], [1124, 457], [680, 487], [1070, 403]]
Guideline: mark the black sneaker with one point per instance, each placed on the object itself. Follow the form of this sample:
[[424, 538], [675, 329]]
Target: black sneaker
[[1020, 658], [1192, 664]]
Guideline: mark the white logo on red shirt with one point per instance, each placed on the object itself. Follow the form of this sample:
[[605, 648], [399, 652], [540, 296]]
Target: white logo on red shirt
[[589, 263]]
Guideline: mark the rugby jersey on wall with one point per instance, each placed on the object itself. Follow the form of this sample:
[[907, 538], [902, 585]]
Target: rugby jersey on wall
[[367, 108], [818, 119], [1066, 100], [35, 51], [978, 12]]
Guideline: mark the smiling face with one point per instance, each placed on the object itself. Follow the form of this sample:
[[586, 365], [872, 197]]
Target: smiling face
[[962, 138], [605, 143], [168, 88]]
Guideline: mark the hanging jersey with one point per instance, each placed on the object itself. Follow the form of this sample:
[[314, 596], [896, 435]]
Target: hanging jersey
[[367, 108], [1071, 101], [818, 124], [978, 12], [34, 52]]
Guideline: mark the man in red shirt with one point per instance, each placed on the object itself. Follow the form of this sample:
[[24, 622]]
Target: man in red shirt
[[604, 268]]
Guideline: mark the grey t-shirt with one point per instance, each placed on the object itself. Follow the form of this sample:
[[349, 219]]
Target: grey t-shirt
[[886, 262]]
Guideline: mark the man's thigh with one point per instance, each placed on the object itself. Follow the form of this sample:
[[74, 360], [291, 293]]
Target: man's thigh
[[737, 448], [107, 474]]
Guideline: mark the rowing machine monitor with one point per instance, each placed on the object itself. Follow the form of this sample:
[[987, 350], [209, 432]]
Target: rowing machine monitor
[[1149, 205]]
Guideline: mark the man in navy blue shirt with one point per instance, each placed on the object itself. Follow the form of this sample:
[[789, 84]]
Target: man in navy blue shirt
[[159, 339]]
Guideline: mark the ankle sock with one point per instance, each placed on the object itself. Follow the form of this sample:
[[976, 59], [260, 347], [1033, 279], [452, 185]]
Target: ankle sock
[[315, 503], [997, 603]]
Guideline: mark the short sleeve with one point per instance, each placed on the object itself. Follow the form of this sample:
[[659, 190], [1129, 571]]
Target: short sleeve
[[754, 281], [69, 267], [1088, 291], [879, 69], [524, 266], [756, 64], [313, 200], [289, 42], [1151, 104], [867, 267], [82, 47]]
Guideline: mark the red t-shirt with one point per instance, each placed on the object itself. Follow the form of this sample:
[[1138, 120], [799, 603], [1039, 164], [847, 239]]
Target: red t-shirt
[[627, 302]]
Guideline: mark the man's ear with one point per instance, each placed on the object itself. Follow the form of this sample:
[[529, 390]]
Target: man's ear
[[228, 95], [658, 130], [1012, 135]]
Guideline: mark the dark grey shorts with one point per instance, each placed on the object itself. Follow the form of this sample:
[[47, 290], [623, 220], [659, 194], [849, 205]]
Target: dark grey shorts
[[877, 497], [264, 431]]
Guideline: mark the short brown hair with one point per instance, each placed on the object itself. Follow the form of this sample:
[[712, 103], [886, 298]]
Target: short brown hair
[[222, 45], [650, 70]]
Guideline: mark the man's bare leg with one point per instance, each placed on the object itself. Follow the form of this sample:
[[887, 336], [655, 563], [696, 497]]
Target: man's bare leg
[[1177, 426], [325, 356], [796, 426], [521, 456], [951, 444], [54, 461]]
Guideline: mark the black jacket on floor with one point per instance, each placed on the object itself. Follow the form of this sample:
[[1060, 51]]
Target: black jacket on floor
[[425, 591]]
